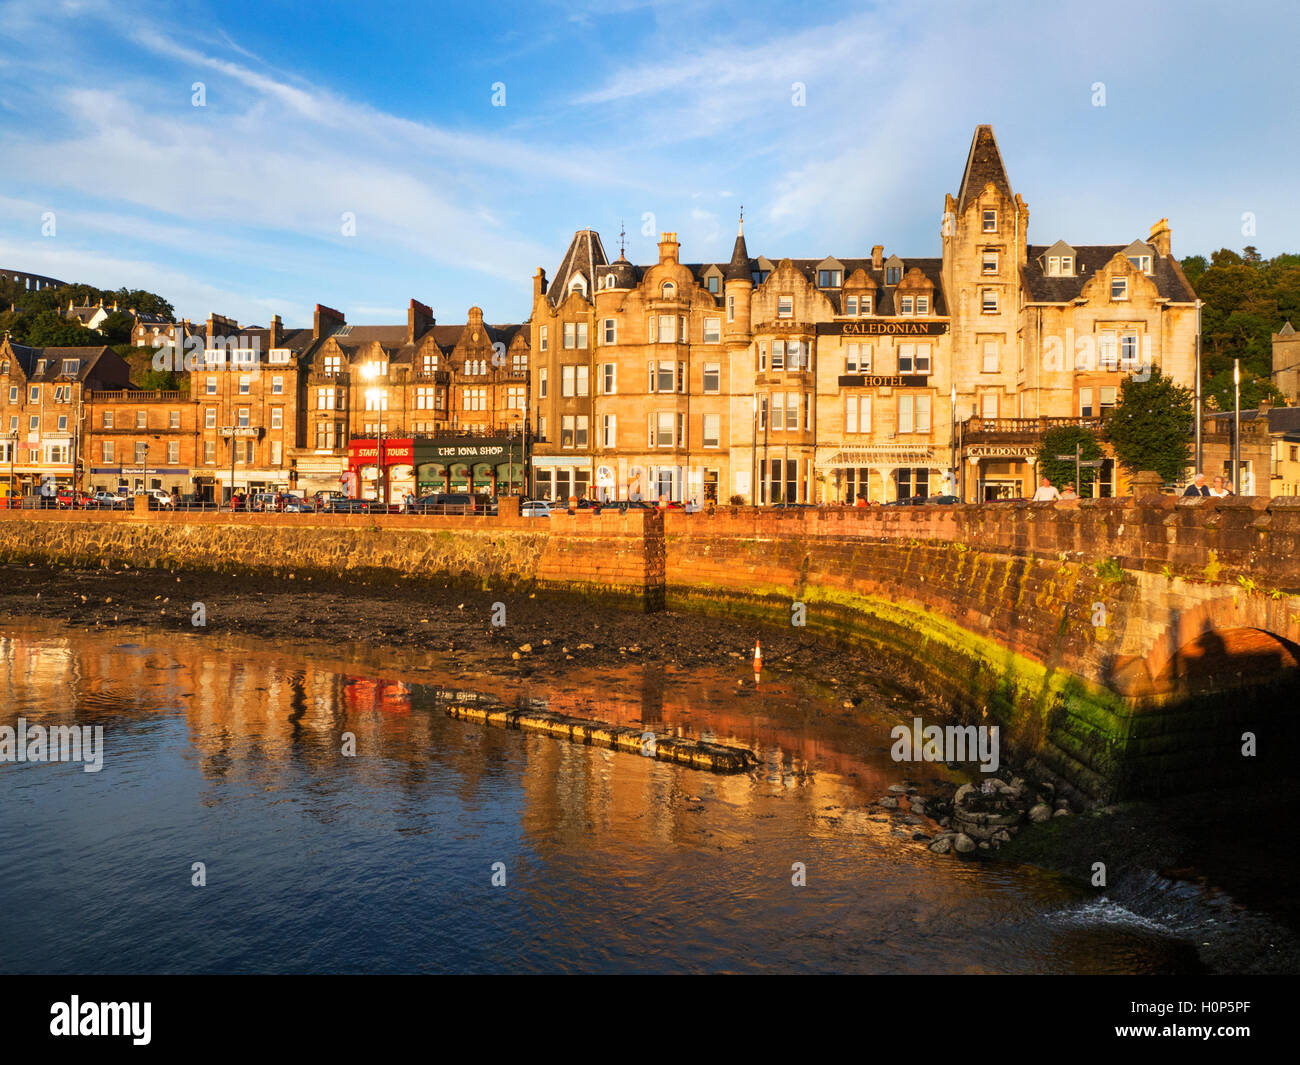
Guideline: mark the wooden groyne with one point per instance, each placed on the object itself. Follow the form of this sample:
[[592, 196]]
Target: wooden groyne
[[697, 754]]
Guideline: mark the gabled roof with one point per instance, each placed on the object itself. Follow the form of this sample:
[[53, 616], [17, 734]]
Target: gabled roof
[[1287, 330], [29, 358], [1059, 248], [1089, 259], [983, 167]]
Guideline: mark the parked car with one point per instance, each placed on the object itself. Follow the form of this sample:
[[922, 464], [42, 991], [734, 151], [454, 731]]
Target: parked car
[[344, 505], [108, 501], [446, 503], [159, 498], [298, 505], [535, 508], [941, 501]]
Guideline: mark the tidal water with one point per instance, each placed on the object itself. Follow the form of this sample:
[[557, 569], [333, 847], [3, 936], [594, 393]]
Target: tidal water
[[231, 754]]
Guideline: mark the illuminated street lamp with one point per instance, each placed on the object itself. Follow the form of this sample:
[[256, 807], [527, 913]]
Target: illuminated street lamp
[[1236, 427]]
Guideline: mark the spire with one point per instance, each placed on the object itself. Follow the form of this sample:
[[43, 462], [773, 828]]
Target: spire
[[738, 269], [983, 167]]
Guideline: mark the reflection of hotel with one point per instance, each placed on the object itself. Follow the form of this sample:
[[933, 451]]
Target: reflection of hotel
[[810, 380]]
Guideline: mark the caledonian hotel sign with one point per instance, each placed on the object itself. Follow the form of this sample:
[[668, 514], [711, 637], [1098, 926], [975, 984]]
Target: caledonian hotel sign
[[882, 328]]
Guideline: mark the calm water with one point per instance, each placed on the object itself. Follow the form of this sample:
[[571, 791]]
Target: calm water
[[228, 753]]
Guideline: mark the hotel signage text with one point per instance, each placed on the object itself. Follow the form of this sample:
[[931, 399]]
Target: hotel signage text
[[882, 328], [858, 380]]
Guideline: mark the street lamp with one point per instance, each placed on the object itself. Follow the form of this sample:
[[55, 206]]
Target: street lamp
[[952, 436], [377, 399], [1236, 427]]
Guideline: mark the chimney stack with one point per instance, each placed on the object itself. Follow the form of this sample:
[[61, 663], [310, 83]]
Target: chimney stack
[[877, 257], [539, 283], [1161, 237], [419, 320], [324, 318], [668, 247], [275, 333]]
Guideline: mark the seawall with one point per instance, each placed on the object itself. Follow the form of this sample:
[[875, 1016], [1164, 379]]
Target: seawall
[[1125, 646]]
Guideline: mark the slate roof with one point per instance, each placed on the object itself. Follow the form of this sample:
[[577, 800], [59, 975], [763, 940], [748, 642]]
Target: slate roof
[[29, 358], [1170, 281], [585, 256], [983, 165]]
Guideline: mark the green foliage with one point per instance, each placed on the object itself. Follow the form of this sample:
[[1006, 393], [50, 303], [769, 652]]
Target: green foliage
[[1151, 426], [1062, 441], [29, 305], [117, 327], [1246, 299], [50, 329], [1109, 571]]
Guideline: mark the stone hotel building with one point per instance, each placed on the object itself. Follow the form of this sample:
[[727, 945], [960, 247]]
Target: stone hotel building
[[822, 380]]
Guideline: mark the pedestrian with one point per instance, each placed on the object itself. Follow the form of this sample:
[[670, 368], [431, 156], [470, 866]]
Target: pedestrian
[[1220, 488], [1069, 492], [1198, 487], [862, 500], [1047, 492]]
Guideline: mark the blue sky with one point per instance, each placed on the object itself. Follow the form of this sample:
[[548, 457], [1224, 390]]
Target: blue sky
[[662, 116]]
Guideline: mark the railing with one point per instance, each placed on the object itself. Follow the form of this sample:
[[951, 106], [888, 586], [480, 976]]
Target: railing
[[155, 396], [976, 424]]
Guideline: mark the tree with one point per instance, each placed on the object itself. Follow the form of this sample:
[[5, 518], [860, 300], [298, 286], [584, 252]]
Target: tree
[[1194, 266], [117, 327], [1217, 391], [50, 329], [1151, 426], [1062, 441]]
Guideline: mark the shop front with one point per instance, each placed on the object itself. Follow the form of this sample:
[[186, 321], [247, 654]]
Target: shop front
[[480, 465], [381, 469], [172, 479]]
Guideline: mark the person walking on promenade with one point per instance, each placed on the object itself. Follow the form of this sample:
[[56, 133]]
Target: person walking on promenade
[[1220, 488], [1069, 492], [1047, 492], [1198, 487]]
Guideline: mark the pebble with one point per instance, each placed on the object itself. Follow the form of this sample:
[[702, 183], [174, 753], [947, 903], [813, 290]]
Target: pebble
[[963, 844]]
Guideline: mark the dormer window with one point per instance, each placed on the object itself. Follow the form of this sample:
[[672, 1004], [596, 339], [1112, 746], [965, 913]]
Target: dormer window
[[760, 276], [669, 290], [70, 367], [578, 285], [829, 278], [893, 274], [864, 305], [609, 281], [922, 304], [990, 221], [1142, 262], [713, 284], [851, 306], [40, 365]]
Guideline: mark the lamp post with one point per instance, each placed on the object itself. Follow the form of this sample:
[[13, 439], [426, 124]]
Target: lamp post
[[753, 458], [952, 435], [13, 449], [1198, 387], [378, 401], [1236, 427]]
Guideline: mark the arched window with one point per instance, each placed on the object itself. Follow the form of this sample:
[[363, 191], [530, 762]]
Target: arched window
[[669, 290]]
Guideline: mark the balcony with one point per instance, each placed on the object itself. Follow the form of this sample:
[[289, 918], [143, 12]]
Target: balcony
[[124, 395], [1019, 430]]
